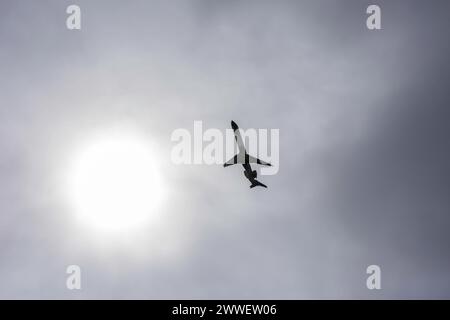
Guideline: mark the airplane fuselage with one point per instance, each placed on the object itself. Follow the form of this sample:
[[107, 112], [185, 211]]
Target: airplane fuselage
[[248, 172]]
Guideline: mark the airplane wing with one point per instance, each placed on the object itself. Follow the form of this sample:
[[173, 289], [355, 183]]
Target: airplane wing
[[232, 161], [239, 158], [251, 159]]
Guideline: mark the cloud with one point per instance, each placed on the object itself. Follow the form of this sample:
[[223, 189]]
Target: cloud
[[363, 149]]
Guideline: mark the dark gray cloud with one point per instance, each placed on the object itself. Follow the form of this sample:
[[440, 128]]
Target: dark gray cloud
[[363, 118]]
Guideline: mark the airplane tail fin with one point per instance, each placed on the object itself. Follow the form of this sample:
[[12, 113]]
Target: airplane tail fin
[[256, 183]]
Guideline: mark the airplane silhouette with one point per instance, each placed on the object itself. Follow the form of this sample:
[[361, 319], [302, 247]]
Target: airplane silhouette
[[245, 159]]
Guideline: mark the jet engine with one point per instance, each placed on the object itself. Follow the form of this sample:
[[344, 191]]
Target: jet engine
[[254, 174]]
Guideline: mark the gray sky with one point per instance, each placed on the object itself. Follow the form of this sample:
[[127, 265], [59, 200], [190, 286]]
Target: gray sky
[[364, 152]]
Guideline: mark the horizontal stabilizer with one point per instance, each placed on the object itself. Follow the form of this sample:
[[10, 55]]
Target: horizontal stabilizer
[[256, 183]]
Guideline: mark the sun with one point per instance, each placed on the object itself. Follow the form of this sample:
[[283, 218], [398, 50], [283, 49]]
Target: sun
[[114, 184]]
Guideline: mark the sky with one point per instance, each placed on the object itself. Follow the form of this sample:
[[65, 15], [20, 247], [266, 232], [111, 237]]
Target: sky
[[364, 152]]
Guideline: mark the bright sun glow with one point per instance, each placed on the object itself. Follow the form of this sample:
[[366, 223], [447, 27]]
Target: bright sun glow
[[114, 184]]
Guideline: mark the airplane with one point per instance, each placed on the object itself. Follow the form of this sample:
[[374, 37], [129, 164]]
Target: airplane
[[245, 159]]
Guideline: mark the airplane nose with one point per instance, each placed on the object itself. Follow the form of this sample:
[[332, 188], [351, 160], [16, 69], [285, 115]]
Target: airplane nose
[[234, 125]]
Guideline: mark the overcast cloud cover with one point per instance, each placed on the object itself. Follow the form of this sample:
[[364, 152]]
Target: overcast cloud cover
[[364, 150]]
